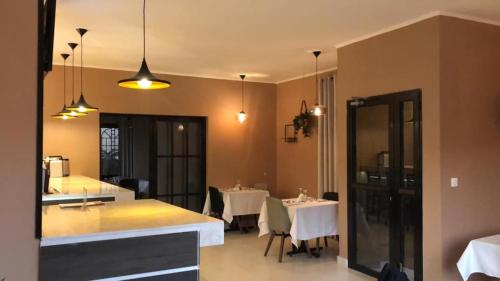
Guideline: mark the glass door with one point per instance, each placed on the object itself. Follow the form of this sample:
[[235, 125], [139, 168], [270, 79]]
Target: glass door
[[384, 192], [178, 167]]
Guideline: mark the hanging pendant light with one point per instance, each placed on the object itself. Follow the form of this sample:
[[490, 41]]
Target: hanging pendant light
[[64, 113], [318, 109], [144, 79], [242, 116], [75, 113], [82, 105]]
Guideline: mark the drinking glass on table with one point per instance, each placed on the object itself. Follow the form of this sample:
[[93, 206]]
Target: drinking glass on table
[[300, 190]]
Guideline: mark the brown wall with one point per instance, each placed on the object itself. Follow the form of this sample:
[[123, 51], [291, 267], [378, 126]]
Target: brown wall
[[297, 163], [234, 151], [18, 77], [470, 135], [403, 59]]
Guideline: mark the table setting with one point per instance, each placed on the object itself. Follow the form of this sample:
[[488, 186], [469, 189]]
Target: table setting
[[310, 218]]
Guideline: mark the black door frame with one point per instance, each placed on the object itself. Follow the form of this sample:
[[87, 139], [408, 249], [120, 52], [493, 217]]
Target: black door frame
[[154, 156], [393, 99]]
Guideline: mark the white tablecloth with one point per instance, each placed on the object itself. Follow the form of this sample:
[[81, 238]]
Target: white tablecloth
[[239, 203], [482, 256], [309, 220]]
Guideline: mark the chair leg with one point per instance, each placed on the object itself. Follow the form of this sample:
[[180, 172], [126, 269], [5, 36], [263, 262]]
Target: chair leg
[[326, 241], [281, 246], [271, 237], [306, 244], [317, 245]]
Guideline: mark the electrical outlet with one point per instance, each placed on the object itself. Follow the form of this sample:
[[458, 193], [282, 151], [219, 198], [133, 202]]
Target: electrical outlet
[[454, 182]]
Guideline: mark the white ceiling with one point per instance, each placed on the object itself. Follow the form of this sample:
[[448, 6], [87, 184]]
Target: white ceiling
[[267, 39]]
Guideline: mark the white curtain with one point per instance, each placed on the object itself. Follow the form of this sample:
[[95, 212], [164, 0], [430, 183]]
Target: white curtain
[[326, 181]]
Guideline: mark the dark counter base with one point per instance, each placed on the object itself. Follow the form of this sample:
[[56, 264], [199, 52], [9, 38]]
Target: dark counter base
[[121, 257]]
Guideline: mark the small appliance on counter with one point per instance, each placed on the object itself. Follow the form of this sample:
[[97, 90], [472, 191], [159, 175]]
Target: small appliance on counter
[[57, 166]]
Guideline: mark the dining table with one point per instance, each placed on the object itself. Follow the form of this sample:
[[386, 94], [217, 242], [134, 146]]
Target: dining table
[[312, 218], [482, 255], [239, 202]]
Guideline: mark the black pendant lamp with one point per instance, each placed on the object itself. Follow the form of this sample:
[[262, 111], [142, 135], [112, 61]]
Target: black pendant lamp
[[242, 116], [75, 113], [64, 114], [82, 105], [318, 109], [144, 79]]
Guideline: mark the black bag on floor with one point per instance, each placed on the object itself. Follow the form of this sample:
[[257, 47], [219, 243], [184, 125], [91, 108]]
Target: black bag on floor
[[392, 273]]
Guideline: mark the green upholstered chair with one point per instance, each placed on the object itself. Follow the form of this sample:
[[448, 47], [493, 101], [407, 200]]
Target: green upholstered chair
[[279, 223]]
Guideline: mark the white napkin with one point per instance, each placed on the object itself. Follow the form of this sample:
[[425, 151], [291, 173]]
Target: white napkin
[[301, 198]]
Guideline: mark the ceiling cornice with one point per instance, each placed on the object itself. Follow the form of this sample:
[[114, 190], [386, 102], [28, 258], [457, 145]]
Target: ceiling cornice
[[307, 75], [415, 20]]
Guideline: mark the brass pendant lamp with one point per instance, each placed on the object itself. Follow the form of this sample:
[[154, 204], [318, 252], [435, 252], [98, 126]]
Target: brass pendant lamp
[[82, 105], [318, 109], [242, 116], [144, 79], [64, 113], [75, 113]]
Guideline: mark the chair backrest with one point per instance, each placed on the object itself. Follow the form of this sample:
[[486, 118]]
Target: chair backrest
[[278, 218], [132, 184], [216, 202], [333, 196]]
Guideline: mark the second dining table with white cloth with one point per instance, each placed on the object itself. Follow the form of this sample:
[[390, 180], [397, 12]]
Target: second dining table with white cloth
[[481, 256], [239, 202], [310, 219]]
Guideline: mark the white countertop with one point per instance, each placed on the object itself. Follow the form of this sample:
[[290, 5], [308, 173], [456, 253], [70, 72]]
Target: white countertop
[[72, 188], [115, 220]]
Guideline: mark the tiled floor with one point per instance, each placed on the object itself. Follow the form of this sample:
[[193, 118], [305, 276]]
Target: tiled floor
[[242, 258]]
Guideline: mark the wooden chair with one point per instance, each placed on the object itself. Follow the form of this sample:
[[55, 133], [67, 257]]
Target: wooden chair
[[216, 202], [279, 223], [332, 196]]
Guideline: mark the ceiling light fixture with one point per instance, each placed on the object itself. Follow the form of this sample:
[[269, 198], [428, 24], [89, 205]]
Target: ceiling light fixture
[[75, 113], [82, 105], [144, 79], [242, 116], [64, 113], [318, 109]]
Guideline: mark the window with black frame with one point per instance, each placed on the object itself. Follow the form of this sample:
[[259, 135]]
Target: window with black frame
[[110, 151]]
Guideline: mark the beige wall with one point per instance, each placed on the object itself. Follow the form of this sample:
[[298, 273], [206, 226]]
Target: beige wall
[[470, 135], [18, 77], [297, 163], [403, 59], [234, 151]]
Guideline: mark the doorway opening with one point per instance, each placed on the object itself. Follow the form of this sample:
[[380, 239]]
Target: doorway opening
[[163, 155]]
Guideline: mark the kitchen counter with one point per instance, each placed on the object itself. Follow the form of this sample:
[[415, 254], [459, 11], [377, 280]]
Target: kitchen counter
[[71, 188], [125, 219], [124, 240]]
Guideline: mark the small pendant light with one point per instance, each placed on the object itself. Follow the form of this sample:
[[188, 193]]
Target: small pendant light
[[318, 109], [242, 116], [64, 113], [75, 113], [144, 79], [82, 105]]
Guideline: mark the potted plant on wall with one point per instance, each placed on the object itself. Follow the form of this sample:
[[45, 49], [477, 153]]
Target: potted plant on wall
[[303, 120]]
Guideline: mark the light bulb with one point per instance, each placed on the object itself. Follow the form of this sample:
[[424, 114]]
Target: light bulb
[[242, 116], [144, 83], [82, 109], [72, 113], [65, 117], [318, 110]]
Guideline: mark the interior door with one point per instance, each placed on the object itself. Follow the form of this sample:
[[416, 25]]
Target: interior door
[[384, 185], [178, 167]]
